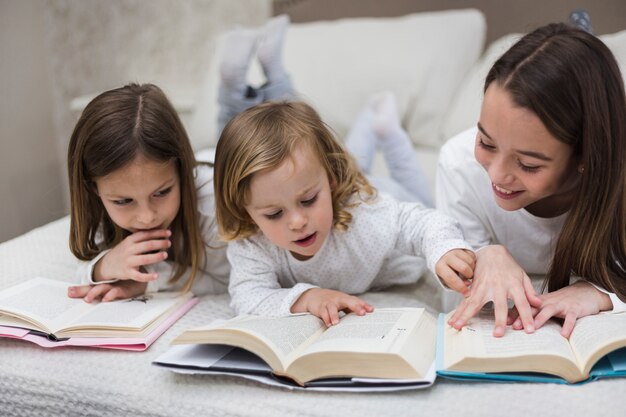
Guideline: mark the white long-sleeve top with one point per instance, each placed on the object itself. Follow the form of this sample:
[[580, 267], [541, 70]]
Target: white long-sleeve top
[[463, 190], [212, 276], [387, 243]]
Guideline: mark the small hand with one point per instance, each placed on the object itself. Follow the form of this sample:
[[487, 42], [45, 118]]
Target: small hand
[[570, 303], [127, 259], [497, 278], [107, 292], [456, 269], [326, 304]]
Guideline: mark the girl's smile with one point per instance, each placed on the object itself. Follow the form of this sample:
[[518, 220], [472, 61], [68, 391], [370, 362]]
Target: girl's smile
[[528, 167]]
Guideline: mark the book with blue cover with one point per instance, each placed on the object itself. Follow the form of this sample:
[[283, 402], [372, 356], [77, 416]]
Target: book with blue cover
[[596, 349]]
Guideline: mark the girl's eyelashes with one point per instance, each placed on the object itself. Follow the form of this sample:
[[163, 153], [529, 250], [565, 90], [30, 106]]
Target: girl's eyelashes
[[274, 216], [279, 213], [491, 148], [483, 145], [310, 201], [122, 202], [527, 168], [163, 193]]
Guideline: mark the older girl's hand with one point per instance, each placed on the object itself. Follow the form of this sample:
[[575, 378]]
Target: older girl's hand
[[498, 278], [570, 303]]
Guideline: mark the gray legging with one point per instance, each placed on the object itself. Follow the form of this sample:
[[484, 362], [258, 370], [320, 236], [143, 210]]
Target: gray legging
[[231, 103]]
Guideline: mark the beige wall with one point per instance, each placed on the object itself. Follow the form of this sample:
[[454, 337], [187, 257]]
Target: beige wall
[[30, 176], [503, 16], [54, 50]]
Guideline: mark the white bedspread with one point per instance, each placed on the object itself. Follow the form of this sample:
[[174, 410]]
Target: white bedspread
[[93, 382]]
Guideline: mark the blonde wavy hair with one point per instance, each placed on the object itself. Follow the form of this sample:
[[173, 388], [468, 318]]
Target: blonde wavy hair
[[263, 137]]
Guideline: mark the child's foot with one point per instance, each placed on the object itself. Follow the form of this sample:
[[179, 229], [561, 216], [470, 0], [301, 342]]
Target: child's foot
[[239, 46], [361, 139], [270, 51], [386, 122], [580, 18]]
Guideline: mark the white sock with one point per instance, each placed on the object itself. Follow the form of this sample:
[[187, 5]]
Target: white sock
[[270, 51], [398, 149], [239, 46], [361, 139]]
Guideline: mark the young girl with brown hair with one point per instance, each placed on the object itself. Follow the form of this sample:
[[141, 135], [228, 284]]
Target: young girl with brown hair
[[540, 184], [142, 210]]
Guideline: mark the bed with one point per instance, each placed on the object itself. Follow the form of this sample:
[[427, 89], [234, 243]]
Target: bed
[[94, 382]]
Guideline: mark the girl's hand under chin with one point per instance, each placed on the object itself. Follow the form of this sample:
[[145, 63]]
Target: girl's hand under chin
[[126, 260]]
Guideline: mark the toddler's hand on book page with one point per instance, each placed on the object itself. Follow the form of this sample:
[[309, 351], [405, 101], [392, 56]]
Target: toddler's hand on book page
[[498, 278], [570, 303], [326, 304], [127, 259], [107, 292], [456, 269]]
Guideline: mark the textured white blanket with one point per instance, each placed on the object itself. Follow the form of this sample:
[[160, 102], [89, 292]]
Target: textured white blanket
[[90, 382]]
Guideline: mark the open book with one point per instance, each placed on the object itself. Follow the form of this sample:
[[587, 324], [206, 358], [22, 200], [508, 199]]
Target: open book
[[595, 349], [395, 346], [40, 311], [394, 349]]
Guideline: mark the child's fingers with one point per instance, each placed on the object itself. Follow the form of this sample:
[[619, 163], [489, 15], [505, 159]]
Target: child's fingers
[[501, 311], [329, 314], [523, 310], [150, 235], [468, 257], [152, 245], [148, 259], [462, 266], [568, 324], [466, 310], [356, 305], [531, 294], [96, 292], [452, 280], [78, 291], [114, 294]]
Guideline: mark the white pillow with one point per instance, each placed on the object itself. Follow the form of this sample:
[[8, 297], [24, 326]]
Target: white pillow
[[465, 108], [617, 44], [337, 65]]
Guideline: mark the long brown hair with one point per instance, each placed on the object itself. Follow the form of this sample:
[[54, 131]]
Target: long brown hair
[[115, 128], [572, 82], [261, 138]]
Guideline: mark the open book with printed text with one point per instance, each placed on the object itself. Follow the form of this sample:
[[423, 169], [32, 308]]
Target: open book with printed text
[[39, 311], [389, 345], [397, 345], [595, 349]]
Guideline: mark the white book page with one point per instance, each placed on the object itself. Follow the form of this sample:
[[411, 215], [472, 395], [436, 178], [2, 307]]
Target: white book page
[[592, 332], [282, 334], [135, 313], [379, 331], [43, 301], [478, 340]]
